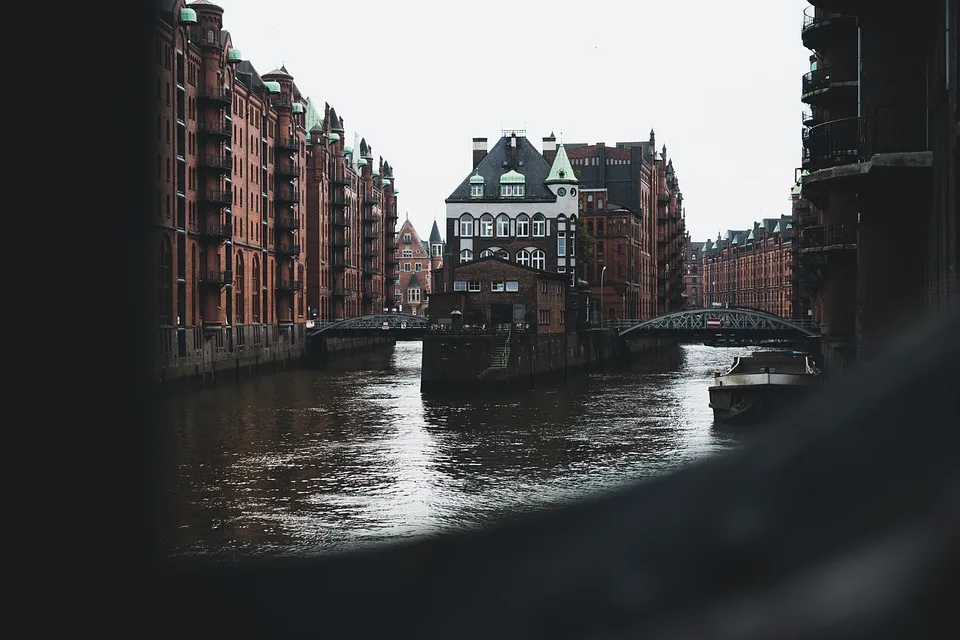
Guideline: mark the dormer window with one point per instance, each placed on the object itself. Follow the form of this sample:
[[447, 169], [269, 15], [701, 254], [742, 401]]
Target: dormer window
[[476, 190], [512, 184], [511, 190]]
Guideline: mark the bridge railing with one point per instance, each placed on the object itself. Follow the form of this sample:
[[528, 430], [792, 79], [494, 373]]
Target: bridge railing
[[484, 329]]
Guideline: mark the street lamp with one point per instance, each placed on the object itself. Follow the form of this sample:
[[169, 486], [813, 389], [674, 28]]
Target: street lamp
[[602, 271]]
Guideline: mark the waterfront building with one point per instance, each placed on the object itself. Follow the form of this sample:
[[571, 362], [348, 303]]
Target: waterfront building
[[352, 213], [231, 215], [513, 205], [413, 283], [750, 268], [692, 281], [632, 208], [879, 152]]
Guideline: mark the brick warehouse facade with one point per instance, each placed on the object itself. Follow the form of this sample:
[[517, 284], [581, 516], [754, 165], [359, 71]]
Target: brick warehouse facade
[[413, 280], [692, 278], [750, 268], [880, 147], [231, 200], [632, 206]]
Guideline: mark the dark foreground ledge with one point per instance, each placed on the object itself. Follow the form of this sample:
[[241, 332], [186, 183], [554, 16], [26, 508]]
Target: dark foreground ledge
[[841, 521]]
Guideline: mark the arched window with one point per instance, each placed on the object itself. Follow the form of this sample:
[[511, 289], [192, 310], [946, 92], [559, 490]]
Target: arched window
[[538, 260], [503, 226], [211, 36], [466, 255], [255, 289], [166, 278], [486, 226], [238, 287], [523, 257], [523, 225], [539, 226], [466, 226], [486, 253], [300, 295]]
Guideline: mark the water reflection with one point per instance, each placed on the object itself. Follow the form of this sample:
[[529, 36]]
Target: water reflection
[[314, 460]]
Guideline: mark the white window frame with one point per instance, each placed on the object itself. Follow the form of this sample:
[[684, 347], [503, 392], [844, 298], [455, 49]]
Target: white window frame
[[497, 285], [418, 266], [561, 243], [466, 226], [523, 226], [523, 257], [406, 267], [476, 190], [538, 256], [541, 222], [408, 253], [473, 286], [466, 256], [503, 226], [407, 238], [486, 226], [459, 285], [512, 286]]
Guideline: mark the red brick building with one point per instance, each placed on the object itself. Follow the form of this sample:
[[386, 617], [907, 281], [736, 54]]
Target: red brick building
[[632, 207], [412, 283], [751, 268], [231, 215], [692, 279], [493, 291]]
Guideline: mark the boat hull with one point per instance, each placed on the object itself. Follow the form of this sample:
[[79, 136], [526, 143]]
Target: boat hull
[[755, 397]]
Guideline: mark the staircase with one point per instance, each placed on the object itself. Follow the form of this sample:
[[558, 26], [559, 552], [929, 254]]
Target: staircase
[[500, 358]]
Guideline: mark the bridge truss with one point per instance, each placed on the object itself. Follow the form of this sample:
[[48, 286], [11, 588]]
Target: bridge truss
[[712, 320], [383, 323]]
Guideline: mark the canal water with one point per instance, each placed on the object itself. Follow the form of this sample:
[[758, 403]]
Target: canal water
[[314, 461]]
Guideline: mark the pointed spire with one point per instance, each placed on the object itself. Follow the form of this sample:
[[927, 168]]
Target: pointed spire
[[562, 170]]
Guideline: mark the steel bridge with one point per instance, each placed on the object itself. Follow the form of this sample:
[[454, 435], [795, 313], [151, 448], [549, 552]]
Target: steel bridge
[[399, 326], [747, 323]]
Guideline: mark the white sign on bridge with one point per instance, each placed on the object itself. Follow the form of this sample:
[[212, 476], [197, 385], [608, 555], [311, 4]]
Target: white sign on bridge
[[713, 323]]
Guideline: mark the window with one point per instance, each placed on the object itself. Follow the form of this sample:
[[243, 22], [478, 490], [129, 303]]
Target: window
[[523, 257], [539, 226], [544, 286], [559, 289], [413, 295], [512, 285], [476, 190], [238, 288], [255, 289], [417, 267], [466, 255], [407, 253], [406, 266], [496, 285], [511, 190], [486, 226], [486, 253], [561, 243], [538, 260], [503, 226], [466, 226], [543, 315], [406, 238], [459, 285], [523, 225], [473, 285], [166, 275]]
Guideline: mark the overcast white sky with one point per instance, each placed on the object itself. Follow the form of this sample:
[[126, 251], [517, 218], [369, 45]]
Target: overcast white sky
[[719, 82]]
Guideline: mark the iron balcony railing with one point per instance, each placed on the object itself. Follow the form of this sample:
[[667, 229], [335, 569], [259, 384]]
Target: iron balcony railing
[[290, 249], [827, 235], [216, 95], [890, 129], [215, 129], [215, 229], [220, 163], [338, 199], [215, 276], [338, 240], [339, 219], [217, 196], [288, 284], [287, 195], [289, 223], [816, 80], [287, 168], [288, 144]]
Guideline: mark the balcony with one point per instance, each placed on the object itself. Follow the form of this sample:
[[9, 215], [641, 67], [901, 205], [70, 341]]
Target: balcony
[[288, 249], [371, 251], [214, 231], [214, 130], [663, 197], [819, 82], [288, 223], [370, 218], [215, 277], [219, 96], [339, 219], [812, 116], [337, 261], [217, 163], [288, 285], [848, 7], [338, 291], [832, 237], [217, 196], [287, 195], [338, 199], [891, 129], [338, 240], [371, 198], [287, 144], [287, 168], [341, 178], [370, 233], [820, 25]]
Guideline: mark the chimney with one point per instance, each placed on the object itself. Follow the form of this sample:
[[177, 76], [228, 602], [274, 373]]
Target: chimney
[[479, 150], [550, 148], [513, 151]]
